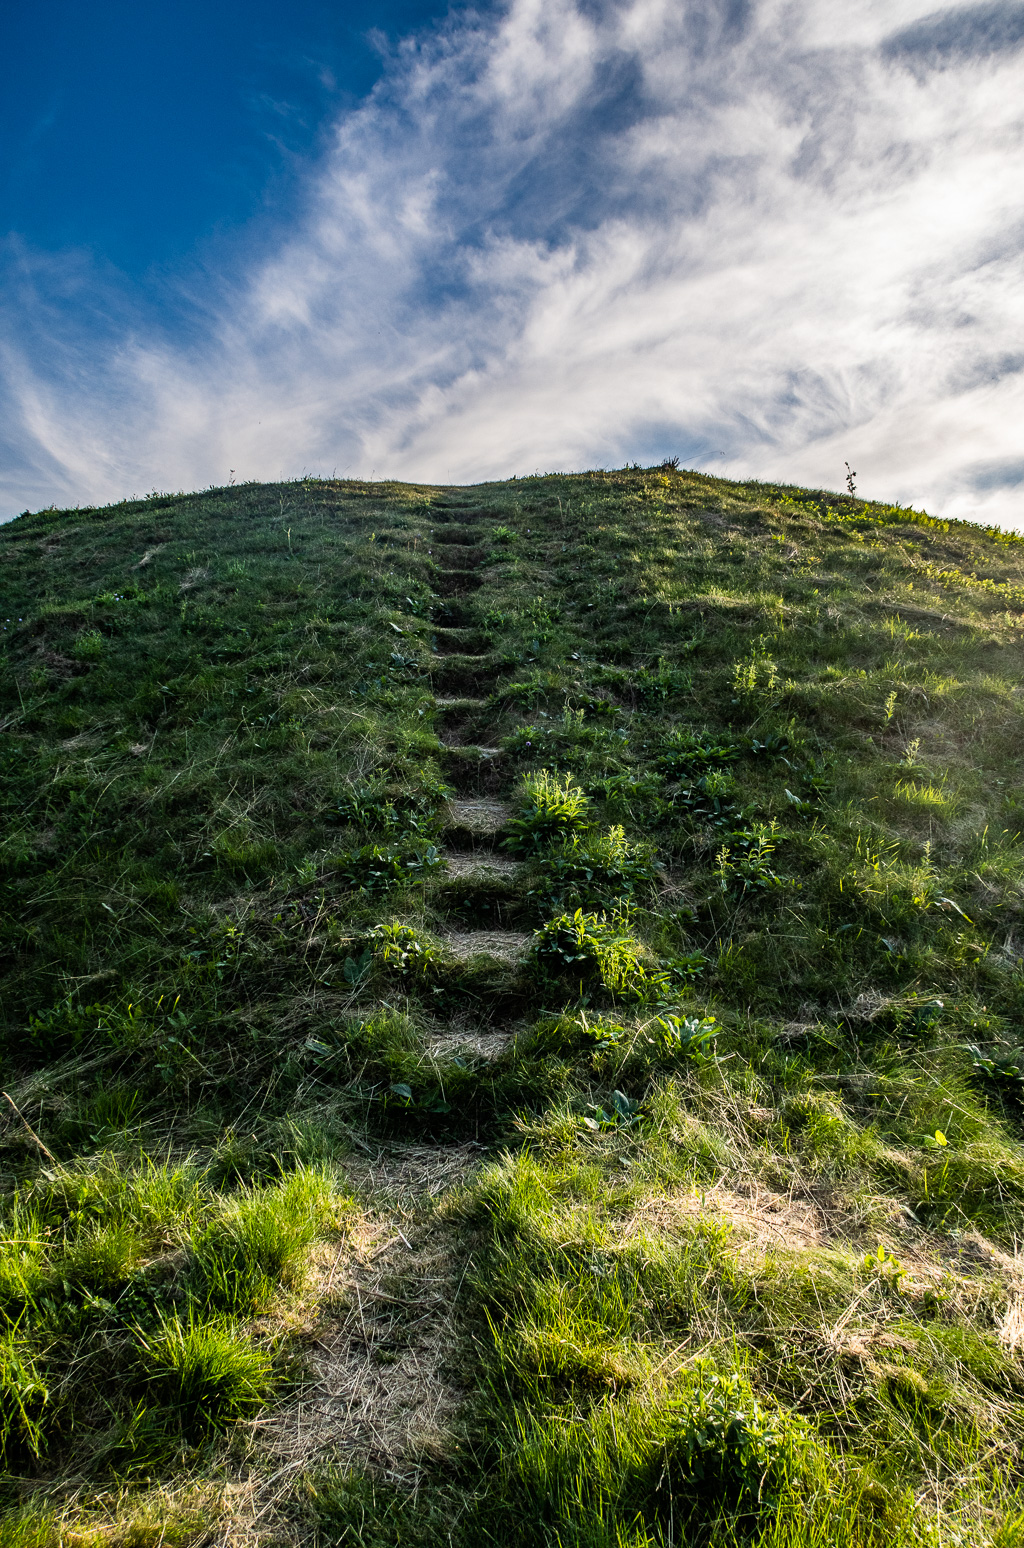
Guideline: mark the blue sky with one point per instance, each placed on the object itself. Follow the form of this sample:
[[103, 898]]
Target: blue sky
[[457, 244], [139, 130]]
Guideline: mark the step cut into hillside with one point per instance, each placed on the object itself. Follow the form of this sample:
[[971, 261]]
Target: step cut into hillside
[[512, 1018]]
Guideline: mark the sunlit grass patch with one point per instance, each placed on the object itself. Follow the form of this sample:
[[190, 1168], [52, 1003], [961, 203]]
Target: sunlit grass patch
[[925, 797], [95, 1253], [259, 1242], [577, 1311], [203, 1371], [136, 1517]]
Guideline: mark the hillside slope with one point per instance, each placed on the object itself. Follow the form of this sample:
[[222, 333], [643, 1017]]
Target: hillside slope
[[511, 1010]]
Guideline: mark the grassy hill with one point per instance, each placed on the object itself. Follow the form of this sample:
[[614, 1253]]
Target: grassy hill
[[511, 1019]]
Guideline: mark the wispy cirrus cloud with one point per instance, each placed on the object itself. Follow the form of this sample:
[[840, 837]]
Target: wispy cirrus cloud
[[574, 232], [961, 33]]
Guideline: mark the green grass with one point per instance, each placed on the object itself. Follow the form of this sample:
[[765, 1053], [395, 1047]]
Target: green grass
[[736, 1258]]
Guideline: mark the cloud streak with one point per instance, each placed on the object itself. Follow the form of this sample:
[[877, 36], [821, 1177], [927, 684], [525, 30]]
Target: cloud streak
[[576, 232]]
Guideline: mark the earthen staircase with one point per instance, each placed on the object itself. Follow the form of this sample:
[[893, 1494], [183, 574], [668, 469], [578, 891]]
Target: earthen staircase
[[464, 669]]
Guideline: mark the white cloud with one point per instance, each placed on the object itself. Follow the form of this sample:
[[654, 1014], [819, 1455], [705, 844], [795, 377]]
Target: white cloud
[[572, 234]]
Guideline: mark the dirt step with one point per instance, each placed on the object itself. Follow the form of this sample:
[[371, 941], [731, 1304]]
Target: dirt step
[[465, 722], [482, 865], [470, 753], [405, 1173], [479, 897], [469, 509], [507, 946], [459, 555], [472, 660], [379, 1391], [450, 674], [453, 614], [478, 817], [452, 535], [461, 641], [449, 583], [472, 770]]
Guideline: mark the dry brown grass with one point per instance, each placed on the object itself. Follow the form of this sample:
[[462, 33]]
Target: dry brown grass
[[504, 945], [483, 864], [483, 815], [381, 1391]]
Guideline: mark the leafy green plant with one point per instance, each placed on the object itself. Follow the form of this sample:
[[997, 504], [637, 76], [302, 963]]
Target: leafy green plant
[[595, 707], [690, 753], [364, 806], [693, 1036], [667, 1042], [593, 949], [354, 970], [726, 1447], [378, 810], [89, 645], [550, 807], [662, 682], [708, 803], [595, 870], [683, 969], [219, 955], [883, 1266], [401, 949], [624, 1113], [756, 677], [374, 868], [1006, 1072], [635, 795], [69, 1024], [744, 872], [579, 730]]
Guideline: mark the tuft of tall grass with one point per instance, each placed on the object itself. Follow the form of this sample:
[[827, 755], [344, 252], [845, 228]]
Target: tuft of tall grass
[[203, 1371], [24, 1396], [258, 1242]]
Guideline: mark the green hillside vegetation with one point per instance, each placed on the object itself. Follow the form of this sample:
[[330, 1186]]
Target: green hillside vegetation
[[511, 1019]]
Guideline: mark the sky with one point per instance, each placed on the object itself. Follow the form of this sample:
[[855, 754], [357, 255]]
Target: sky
[[391, 240]]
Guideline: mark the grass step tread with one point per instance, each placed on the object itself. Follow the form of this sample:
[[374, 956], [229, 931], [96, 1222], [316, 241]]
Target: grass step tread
[[482, 814], [508, 946]]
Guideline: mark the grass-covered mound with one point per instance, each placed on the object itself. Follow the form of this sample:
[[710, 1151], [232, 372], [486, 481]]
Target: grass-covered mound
[[511, 1019]]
